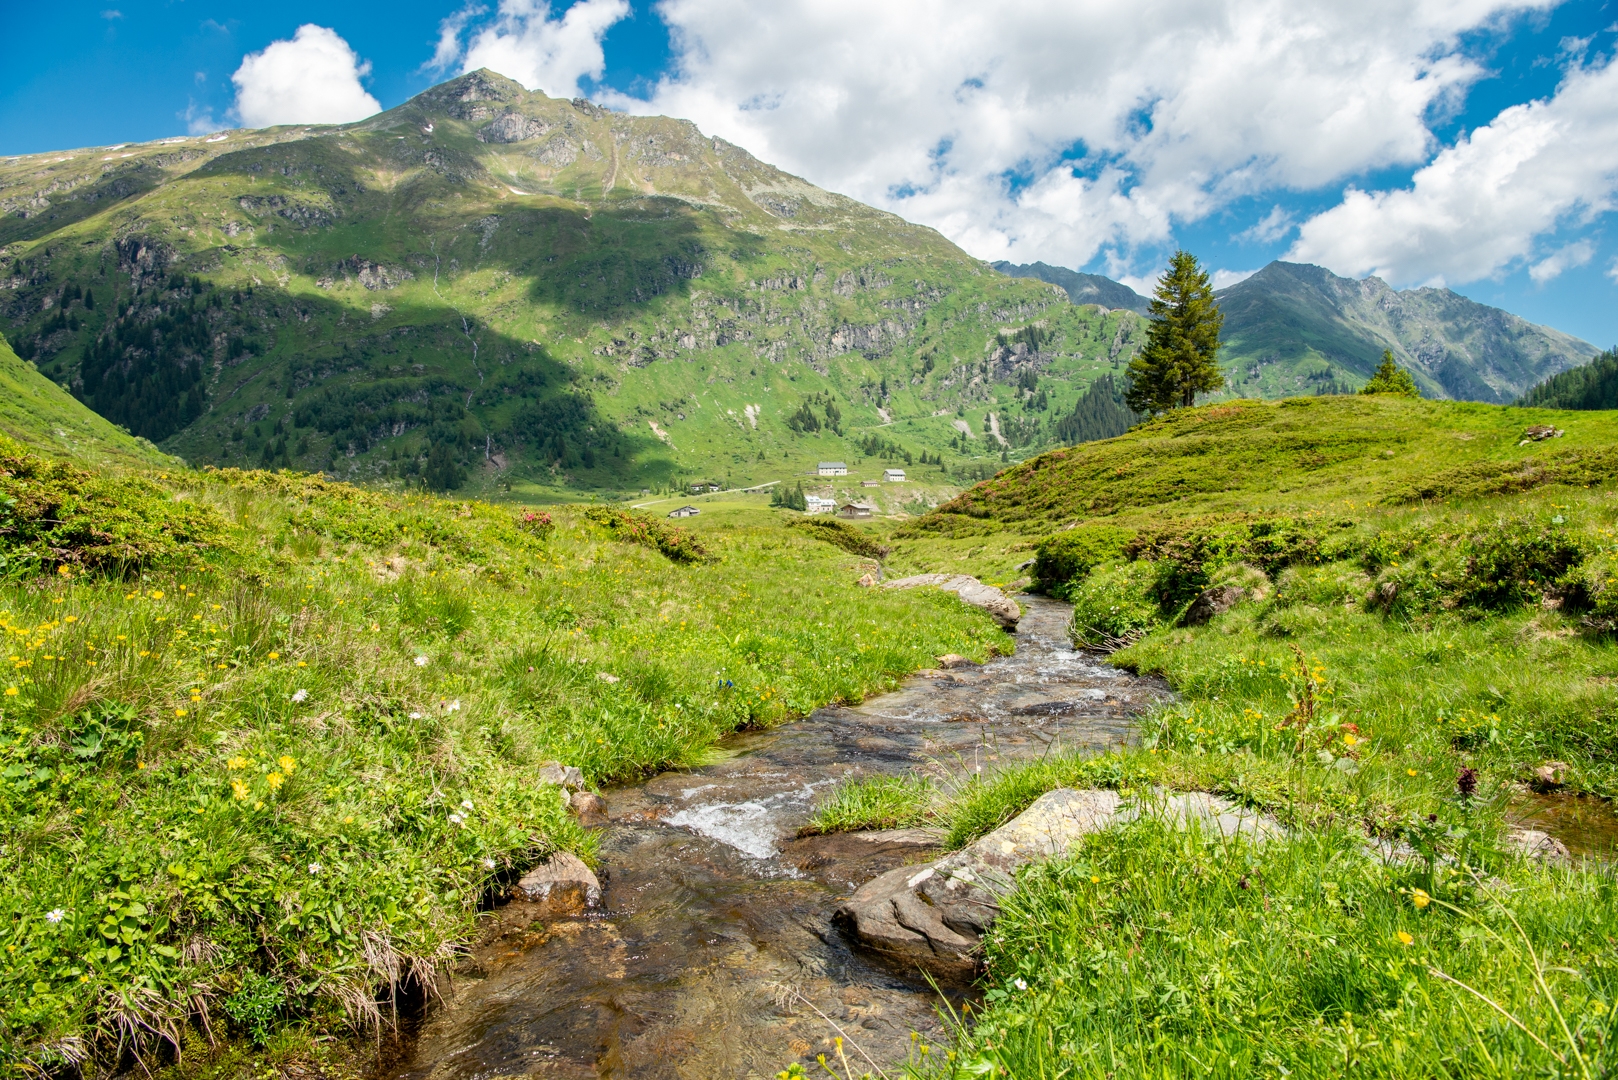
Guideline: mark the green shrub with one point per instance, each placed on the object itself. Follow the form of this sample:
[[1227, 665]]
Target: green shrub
[[1115, 604], [1516, 561], [840, 535], [677, 544], [1062, 561]]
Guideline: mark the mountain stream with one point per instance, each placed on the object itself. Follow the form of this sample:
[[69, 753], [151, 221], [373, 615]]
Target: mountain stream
[[713, 953]]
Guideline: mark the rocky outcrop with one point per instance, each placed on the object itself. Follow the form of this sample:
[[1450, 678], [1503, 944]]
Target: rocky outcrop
[[563, 776], [1213, 602], [933, 917], [563, 885], [971, 591], [513, 127]]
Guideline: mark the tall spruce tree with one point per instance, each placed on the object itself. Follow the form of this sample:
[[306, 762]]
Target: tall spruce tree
[[1390, 378], [1182, 341]]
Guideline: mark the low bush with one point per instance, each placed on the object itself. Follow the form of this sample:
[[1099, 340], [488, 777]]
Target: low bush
[[676, 544], [840, 534], [1063, 560], [1115, 604]]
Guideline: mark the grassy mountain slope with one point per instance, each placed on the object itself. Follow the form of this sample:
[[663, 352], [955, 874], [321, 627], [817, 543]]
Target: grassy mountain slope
[[1590, 386], [1294, 328], [1081, 288], [570, 299], [1414, 651], [40, 414], [1255, 456]]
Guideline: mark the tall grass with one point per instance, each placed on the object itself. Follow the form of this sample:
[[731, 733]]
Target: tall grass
[[268, 783]]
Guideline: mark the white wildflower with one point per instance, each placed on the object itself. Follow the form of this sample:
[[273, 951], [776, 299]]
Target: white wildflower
[[421, 661], [466, 804], [314, 868], [55, 915], [300, 697], [457, 819], [488, 864], [415, 716], [1020, 983], [454, 706]]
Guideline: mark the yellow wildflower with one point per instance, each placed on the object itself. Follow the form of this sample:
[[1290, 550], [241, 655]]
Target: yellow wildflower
[[11, 691], [157, 594], [287, 764], [1406, 939], [275, 656], [275, 780], [237, 762], [1410, 772], [238, 789], [1350, 739], [1420, 898]]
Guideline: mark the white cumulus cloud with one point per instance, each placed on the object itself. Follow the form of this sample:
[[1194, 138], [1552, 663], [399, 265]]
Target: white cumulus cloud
[[1482, 205], [526, 43], [312, 79], [1062, 129]]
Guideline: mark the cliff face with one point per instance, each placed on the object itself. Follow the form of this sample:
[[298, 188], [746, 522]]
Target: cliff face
[[532, 281]]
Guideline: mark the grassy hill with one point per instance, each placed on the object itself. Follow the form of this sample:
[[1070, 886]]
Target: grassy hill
[[571, 300], [37, 412], [1392, 625]]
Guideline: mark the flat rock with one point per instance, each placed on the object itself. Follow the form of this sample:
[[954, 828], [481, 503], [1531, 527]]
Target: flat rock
[[1538, 845], [1213, 602], [933, 916], [562, 884], [970, 590]]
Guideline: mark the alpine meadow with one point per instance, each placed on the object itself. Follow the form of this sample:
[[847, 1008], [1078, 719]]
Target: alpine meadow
[[508, 587]]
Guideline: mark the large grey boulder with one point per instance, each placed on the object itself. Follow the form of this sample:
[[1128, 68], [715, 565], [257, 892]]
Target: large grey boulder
[[934, 916], [970, 590]]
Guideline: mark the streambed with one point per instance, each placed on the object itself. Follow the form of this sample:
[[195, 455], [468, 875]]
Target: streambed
[[713, 947]]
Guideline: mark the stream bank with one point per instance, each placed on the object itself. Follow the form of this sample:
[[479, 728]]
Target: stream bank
[[714, 946]]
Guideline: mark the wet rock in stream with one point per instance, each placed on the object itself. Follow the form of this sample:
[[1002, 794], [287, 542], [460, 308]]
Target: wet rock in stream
[[715, 923]]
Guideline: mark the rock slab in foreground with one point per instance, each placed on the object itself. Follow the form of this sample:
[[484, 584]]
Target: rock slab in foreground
[[563, 884], [971, 591], [934, 916]]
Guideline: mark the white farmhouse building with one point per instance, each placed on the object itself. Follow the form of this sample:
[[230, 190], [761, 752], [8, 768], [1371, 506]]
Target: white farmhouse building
[[893, 476], [832, 468]]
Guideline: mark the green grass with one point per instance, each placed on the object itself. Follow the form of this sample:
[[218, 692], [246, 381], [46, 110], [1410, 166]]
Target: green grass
[[875, 802], [1158, 952], [36, 411], [1428, 611], [258, 773]]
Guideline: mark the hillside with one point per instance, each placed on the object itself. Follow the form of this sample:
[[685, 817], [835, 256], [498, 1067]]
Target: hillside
[[1389, 625], [1293, 455], [566, 298], [1081, 288], [1589, 386], [1293, 328], [40, 414]]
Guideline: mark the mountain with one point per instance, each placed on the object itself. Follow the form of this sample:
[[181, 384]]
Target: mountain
[[1293, 328], [1081, 288], [552, 298], [1592, 386], [40, 414]]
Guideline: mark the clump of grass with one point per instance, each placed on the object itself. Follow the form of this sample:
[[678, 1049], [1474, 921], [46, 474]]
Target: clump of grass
[[874, 802], [1159, 951]]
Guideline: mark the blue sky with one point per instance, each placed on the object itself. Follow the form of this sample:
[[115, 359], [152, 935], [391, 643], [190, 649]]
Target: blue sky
[[1247, 131]]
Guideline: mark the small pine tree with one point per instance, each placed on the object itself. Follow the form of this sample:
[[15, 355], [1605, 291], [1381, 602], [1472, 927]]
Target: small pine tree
[[1182, 341], [1390, 378]]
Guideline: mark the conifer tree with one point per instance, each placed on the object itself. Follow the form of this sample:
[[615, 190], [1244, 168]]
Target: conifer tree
[[1390, 378], [1182, 341]]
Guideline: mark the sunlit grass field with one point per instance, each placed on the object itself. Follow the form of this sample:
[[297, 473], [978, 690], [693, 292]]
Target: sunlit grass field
[[268, 743]]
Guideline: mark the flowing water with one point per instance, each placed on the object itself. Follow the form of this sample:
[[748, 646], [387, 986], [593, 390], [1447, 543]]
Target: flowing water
[[713, 954]]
